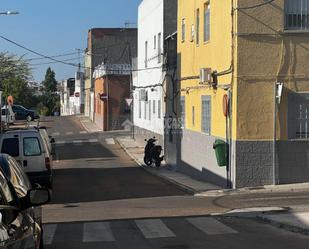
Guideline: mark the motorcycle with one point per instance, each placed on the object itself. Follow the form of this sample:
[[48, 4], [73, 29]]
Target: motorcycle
[[152, 153]]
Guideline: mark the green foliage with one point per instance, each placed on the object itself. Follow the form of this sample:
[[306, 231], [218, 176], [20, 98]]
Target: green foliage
[[50, 83], [50, 98]]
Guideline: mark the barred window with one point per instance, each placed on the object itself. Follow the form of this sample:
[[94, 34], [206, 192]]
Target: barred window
[[206, 114], [197, 27], [149, 109], [183, 29], [296, 14], [206, 22], [298, 116], [140, 109], [182, 111]]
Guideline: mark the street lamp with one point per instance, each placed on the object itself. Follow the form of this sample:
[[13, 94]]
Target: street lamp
[[9, 13]]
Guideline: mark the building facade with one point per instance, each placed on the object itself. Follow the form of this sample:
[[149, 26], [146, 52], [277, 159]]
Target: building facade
[[111, 91], [157, 19], [256, 59], [109, 46]]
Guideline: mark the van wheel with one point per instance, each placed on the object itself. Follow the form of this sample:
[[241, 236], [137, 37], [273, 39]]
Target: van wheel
[[29, 118]]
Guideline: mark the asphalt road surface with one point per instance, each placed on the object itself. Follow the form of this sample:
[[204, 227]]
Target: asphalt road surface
[[102, 199]]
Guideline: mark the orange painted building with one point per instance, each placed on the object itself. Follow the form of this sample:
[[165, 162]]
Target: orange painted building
[[110, 106]]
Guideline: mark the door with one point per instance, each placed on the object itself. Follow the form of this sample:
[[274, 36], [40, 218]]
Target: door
[[33, 159]]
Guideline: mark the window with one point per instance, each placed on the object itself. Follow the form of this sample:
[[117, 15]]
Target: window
[[206, 22], [146, 54], [149, 109], [159, 48], [197, 27], [145, 110], [192, 32], [140, 109], [182, 111], [154, 107], [296, 14], [206, 114], [183, 29], [155, 42], [10, 146], [298, 116], [159, 108], [32, 146], [193, 115]]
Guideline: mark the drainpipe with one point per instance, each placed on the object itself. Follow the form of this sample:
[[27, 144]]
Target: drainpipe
[[274, 134]]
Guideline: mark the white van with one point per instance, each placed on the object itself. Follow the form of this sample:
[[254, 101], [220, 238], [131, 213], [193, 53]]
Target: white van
[[29, 149], [7, 115]]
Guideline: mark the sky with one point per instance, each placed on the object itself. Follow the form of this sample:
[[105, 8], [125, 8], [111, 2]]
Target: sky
[[58, 27]]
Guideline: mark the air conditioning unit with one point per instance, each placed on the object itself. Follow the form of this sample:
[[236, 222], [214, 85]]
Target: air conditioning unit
[[143, 96], [205, 75]]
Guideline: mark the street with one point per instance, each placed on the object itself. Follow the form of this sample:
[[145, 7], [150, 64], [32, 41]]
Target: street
[[102, 199]]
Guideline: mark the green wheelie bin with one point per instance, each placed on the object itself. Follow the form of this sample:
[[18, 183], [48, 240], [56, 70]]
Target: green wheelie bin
[[220, 148]]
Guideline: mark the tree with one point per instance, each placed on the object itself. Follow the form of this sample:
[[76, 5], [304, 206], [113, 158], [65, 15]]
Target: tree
[[14, 76], [50, 83], [50, 98]]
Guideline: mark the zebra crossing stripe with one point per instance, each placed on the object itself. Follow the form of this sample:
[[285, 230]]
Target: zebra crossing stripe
[[110, 141], [60, 142], [97, 232], [69, 133], [49, 231], [93, 140], [154, 228], [83, 132], [77, 142], [55, 134], [210, 226]]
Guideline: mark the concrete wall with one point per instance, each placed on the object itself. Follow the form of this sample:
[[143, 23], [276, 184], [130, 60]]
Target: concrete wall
[[198, 160]]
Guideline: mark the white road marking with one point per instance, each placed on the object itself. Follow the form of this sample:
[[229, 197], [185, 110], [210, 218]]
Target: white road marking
[[77, 142], [69, 133], [83, 132], [60, 142], [210, 226], [110, 141], [97, 231], [93, 140], [49, 233], [278, 198], [55, 134], [154, 228]]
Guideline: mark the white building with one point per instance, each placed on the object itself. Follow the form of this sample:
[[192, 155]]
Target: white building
[[157, 19]]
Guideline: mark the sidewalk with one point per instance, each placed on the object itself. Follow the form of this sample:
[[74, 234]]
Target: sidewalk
[[136, 152], [88, 125]]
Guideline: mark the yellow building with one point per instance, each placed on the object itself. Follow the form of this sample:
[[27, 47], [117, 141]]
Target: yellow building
[[247, 47]]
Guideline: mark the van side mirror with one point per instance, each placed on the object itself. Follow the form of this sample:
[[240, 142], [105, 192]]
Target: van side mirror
[[8, 214], [38, 196], [52, 140]]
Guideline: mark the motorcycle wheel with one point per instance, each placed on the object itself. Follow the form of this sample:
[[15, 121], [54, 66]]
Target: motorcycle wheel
[[147, 161], [158, 163]]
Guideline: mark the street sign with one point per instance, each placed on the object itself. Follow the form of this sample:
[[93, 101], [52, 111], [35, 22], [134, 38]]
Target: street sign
[[129, 101], [103, 97]]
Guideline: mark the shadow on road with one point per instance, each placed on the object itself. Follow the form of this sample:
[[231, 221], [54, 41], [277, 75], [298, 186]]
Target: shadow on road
[[90, 184], [72, 151]]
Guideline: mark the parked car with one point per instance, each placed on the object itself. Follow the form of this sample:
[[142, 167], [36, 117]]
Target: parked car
[[18, 229], [22, 113], [49, 140], [7, 115], [29, 149], [22, 186]]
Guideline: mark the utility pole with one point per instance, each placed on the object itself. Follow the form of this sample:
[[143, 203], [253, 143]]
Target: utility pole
[[79, 58]]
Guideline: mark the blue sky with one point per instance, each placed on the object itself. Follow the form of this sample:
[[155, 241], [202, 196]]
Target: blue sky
[[59, 27]]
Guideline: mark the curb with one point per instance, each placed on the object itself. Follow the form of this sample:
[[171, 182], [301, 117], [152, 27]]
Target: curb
[[283, 225], [169, 180], [86, 129]]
